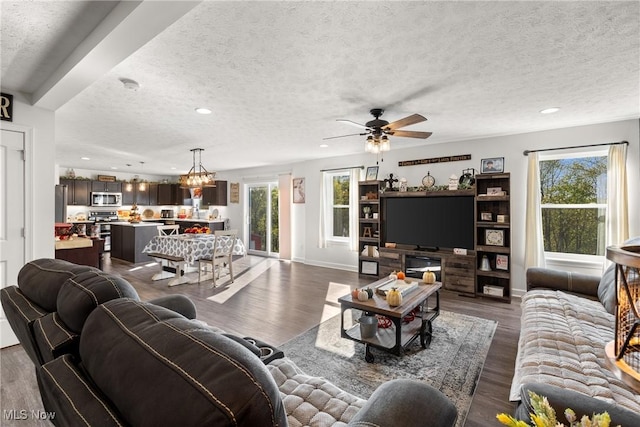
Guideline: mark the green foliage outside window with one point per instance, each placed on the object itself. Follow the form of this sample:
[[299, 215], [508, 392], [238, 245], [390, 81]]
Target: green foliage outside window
[[573, 199], [258, 213], [341, 205]]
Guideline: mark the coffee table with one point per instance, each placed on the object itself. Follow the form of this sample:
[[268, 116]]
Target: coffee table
[[400, 335]]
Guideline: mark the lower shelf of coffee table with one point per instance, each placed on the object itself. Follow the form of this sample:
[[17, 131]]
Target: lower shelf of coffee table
[[385, 338]]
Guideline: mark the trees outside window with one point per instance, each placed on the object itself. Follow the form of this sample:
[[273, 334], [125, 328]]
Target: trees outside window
[[340, 204], [573, 203]]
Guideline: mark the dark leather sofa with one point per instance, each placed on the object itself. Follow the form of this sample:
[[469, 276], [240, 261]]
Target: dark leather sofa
[[141, 364], [53, 299]]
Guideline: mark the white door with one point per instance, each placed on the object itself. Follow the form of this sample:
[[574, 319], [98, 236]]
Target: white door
[[12, 217]]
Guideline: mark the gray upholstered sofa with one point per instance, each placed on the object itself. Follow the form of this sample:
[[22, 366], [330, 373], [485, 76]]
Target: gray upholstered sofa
[[566, 321], [139, 363]]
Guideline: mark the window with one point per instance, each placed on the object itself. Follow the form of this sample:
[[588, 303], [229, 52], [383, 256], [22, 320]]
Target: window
[[573, 203], [339, 207], [338, 195]]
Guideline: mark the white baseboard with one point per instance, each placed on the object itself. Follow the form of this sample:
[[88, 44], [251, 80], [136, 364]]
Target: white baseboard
[[7, 337]]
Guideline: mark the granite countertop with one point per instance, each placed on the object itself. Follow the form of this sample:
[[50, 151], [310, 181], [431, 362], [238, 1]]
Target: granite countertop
[[74, 243]]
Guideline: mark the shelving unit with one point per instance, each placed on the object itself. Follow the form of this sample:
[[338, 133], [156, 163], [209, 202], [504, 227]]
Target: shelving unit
[[369, 228], [493, 236]]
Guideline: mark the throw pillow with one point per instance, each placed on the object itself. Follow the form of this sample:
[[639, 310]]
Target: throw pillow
[[607, 286]]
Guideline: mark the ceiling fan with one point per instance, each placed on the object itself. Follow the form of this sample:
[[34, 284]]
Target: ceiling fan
[[378, 129]]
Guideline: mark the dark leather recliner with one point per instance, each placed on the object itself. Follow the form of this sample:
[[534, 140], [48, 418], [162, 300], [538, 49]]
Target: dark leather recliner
[[48, 308]]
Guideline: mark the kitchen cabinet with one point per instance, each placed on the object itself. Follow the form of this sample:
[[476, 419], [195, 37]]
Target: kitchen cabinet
[[107, 187], [166, 194], [153, 193], [78, 191], [215, 196], [133, 194], [180, 194]]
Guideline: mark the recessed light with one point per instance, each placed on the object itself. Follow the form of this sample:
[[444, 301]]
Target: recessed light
[[173, 168], [324, 145], [84, 158], [114, 167], [202, 110], [550, 110]]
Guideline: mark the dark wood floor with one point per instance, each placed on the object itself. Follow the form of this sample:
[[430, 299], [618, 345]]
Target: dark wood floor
[[284, 301]]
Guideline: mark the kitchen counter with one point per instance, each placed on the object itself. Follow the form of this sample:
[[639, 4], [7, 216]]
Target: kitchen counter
[[128, 240], [137, 224], [81, 250]]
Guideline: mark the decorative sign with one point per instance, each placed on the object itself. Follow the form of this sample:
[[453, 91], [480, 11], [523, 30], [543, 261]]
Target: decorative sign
[[6, 107], [234, 197], [435, 160], [107, 178]]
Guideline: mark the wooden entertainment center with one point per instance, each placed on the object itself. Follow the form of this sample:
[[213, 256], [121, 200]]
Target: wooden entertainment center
[[483, 271]]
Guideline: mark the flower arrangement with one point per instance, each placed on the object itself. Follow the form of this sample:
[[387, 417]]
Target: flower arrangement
[[545, 416]]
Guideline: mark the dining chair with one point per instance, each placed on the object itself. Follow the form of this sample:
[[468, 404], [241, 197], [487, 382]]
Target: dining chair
[[168, 230], [222, 255]]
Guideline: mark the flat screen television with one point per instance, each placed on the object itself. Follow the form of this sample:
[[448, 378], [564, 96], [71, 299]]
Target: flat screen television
[[443, 222]]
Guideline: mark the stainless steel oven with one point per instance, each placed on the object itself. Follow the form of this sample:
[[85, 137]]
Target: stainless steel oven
[[102, 220]]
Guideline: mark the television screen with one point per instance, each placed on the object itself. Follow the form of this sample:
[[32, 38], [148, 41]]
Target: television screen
[[445, 222]]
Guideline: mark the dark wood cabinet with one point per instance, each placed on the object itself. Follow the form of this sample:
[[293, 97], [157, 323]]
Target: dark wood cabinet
[[106, 187], [134, 193], [180, 194], [215, 196], [166, 194], [78, 191], [153, 193]]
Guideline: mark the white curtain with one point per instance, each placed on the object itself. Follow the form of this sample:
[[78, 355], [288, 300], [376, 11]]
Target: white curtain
[[354, 207], [324, 200], [534, 240], [617, 204]]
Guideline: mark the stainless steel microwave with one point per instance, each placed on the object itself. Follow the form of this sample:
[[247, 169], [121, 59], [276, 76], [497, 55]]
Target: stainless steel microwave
[[106, 199]]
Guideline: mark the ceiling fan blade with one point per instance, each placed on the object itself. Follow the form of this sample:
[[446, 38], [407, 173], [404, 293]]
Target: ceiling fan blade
[[409, 120], [352, 123], [410, 134], [344, 136]]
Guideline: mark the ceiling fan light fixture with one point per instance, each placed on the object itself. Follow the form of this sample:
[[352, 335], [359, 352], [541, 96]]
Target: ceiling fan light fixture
[[385, 145], [198, 176]]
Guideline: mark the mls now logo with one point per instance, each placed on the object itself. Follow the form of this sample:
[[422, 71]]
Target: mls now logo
[[23, 414]]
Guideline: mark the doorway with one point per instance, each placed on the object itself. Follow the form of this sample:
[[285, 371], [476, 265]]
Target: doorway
[[263, 216], [12, 227]]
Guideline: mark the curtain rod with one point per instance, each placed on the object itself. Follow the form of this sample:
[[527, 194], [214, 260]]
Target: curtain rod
[[526, 152], [339, 169]]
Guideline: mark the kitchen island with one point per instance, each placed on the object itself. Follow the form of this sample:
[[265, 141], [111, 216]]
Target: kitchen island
[[128, 239], [184, 223]]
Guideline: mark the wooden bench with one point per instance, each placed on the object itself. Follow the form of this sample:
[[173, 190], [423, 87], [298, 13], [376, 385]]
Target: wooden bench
[[170, 270]]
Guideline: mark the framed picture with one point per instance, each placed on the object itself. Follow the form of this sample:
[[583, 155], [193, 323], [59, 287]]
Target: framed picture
[[234, 196], [372, 173], [502, 262], [486, 216], [298, 190], [494, 237], [493, 165]]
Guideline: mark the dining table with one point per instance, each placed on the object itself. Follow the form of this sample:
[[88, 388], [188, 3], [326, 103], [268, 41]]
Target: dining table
[[184, 250]]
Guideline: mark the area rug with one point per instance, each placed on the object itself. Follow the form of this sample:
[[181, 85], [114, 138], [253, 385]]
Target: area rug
[[452, 363]]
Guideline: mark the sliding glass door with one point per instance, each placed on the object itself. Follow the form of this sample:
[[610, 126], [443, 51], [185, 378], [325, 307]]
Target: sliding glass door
[[262, 215]]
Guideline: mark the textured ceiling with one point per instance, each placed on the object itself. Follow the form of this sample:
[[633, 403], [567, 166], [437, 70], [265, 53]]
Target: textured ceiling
[[277, 75]]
